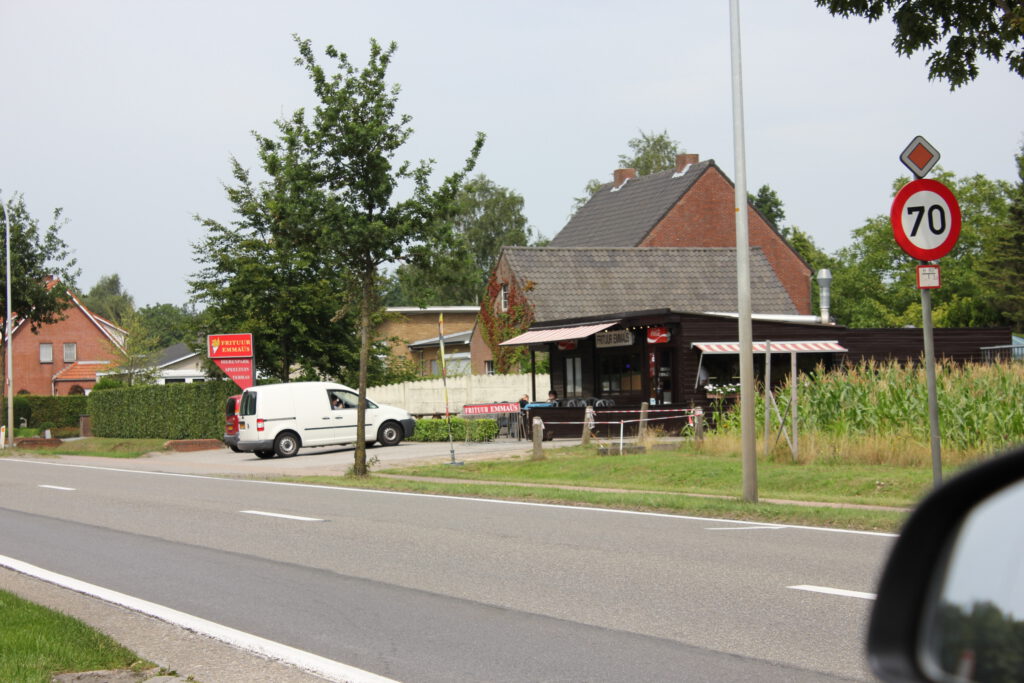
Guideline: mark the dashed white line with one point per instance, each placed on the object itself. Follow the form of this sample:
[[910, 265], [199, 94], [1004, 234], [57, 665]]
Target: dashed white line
[[328, 668], [56, 488], [280, 515], [836, 591], [744, 528]]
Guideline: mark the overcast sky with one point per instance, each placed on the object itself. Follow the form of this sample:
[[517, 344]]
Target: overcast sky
[[126, 112]]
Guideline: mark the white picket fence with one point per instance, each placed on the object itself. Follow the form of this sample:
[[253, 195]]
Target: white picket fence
[[426, 397]]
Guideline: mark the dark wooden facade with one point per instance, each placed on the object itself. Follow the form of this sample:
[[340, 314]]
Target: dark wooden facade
[[666, 374]]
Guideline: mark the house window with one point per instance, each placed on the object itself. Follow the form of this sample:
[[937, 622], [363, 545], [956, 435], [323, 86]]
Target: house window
[[46, 353], [573, 377], [70, 352], [620, 374], [503, 302], [488, 367]]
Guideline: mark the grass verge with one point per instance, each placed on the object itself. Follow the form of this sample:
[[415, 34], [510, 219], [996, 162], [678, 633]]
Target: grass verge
[[39, 643], [102, 447]]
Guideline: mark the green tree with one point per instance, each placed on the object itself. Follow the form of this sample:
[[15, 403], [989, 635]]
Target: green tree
[[349, 148], [487, 217], [108, 299], [960, 31], [168, 323], [138, 354], [38, 257], [265, 273], [767, 201], [648, 153], [1002, 266]]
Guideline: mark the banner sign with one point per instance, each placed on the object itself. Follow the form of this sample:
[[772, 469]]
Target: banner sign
[[232, 353], [229, 346], [614, 338], [657, 335], [490, 408]]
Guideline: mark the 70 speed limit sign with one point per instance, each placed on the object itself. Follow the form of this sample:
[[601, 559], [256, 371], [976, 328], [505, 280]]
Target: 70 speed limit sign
[[925, 219]]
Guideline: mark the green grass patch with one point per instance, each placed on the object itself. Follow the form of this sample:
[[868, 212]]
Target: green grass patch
[[102, 447], [38, 643]]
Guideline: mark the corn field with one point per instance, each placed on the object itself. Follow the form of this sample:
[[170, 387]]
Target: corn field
[[878, 412]]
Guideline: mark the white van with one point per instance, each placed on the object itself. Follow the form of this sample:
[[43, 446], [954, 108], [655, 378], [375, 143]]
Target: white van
[[279, 419]]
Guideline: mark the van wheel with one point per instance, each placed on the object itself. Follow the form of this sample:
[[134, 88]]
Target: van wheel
[[390, 433], [264, 454], [286, 444]]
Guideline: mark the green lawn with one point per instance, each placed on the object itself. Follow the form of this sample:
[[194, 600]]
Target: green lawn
[[36, 643], [109, 448]]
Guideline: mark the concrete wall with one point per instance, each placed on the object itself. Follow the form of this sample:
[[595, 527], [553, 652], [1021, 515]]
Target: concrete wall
[[427, 397]]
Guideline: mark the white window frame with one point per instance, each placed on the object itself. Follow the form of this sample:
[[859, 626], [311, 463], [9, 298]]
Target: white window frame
[[71, 357], [503, 300], [45, 352]]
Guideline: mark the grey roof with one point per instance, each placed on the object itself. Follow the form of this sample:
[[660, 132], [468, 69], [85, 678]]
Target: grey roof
[[574, 283], [624, 217], [173, 354]]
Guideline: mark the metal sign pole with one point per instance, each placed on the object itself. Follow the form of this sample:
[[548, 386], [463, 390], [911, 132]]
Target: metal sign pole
[[933, 394]]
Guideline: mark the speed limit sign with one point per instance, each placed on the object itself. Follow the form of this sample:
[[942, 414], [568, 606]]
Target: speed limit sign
[[925, 219]]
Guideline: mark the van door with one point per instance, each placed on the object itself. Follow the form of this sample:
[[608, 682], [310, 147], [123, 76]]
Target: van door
[[346, 409], [317, 422]]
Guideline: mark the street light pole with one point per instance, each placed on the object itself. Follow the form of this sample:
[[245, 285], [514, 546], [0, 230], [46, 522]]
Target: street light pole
[[746, 335], [8, 375]]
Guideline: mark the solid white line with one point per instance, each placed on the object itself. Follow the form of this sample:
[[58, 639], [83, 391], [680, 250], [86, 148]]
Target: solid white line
[[461, 499], [332, 670], [835, 591], [56, 488], [282, 516]]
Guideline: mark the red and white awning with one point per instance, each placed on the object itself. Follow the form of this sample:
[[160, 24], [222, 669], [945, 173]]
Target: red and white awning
[[557, 334], [776, 347]]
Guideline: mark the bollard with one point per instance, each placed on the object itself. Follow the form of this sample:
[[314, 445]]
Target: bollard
[[698, 427], [588, 424], [642, 431], [538, 437]]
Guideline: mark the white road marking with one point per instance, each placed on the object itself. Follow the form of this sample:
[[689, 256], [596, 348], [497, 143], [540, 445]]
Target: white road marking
[[836, 591], [56, 488], [282, 516], [328, 668], [743, 528], [460, 499]]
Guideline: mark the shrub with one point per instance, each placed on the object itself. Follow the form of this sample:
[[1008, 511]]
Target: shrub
[[49, 412], [171, 411], [435, 429]]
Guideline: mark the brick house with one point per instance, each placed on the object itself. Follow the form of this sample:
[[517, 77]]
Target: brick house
[[692, 205], [64, 357], [412, 333]]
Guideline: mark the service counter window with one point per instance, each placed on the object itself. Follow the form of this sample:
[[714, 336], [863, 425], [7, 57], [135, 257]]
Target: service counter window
[[620, 373]]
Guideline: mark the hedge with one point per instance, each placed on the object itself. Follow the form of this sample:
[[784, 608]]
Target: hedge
[[436, 429], [161, 411], [49, 412]]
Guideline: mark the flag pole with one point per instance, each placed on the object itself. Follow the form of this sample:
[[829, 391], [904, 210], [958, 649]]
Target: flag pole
[[444, 383]]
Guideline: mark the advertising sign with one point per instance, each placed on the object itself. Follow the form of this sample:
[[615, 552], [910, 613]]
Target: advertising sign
[[232, 353], [490, 408], [613, 338]]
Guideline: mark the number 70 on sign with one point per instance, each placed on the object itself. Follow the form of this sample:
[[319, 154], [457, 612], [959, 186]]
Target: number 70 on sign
[[925, 219]]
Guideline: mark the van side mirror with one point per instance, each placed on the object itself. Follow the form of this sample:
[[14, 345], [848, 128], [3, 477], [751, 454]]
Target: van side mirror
[[950, 604]]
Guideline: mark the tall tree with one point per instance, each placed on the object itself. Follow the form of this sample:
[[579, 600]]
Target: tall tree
[[1002, 266], [960, 31], [350, 149], [168, 323], [38, 256], [767, 201], [139, 353], [648, 153], [487, 217], [266, 273], [109, 299]]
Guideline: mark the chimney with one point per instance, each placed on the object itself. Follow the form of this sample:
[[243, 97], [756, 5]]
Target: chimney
[[621, 175], [825, 294], [684, 160]]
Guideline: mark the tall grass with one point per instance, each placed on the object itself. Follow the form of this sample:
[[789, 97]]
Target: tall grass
[[878, 412]]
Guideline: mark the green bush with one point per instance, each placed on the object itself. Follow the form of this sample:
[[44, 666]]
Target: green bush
[[434, 429], [49, 412], [163, 411]]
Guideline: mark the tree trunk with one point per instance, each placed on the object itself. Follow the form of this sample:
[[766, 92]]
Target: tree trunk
[[359, 467]]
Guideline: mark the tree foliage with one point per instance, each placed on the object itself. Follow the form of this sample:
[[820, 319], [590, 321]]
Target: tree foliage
[[767, 201], [958, 32], [138, 355], [486, 217], [38, 256], [168, 323], [108, 299], [1002, 264]]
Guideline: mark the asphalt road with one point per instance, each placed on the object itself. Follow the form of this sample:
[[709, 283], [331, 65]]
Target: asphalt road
[[420, 588]]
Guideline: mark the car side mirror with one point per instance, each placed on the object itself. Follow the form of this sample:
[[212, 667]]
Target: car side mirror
[[950, 604]]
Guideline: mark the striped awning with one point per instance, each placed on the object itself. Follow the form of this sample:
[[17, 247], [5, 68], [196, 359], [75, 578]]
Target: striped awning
[[557, 334], [776, 347]]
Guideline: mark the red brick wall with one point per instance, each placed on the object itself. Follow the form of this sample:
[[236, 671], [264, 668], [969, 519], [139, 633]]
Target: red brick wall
[[705, 217], [36, 378]]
